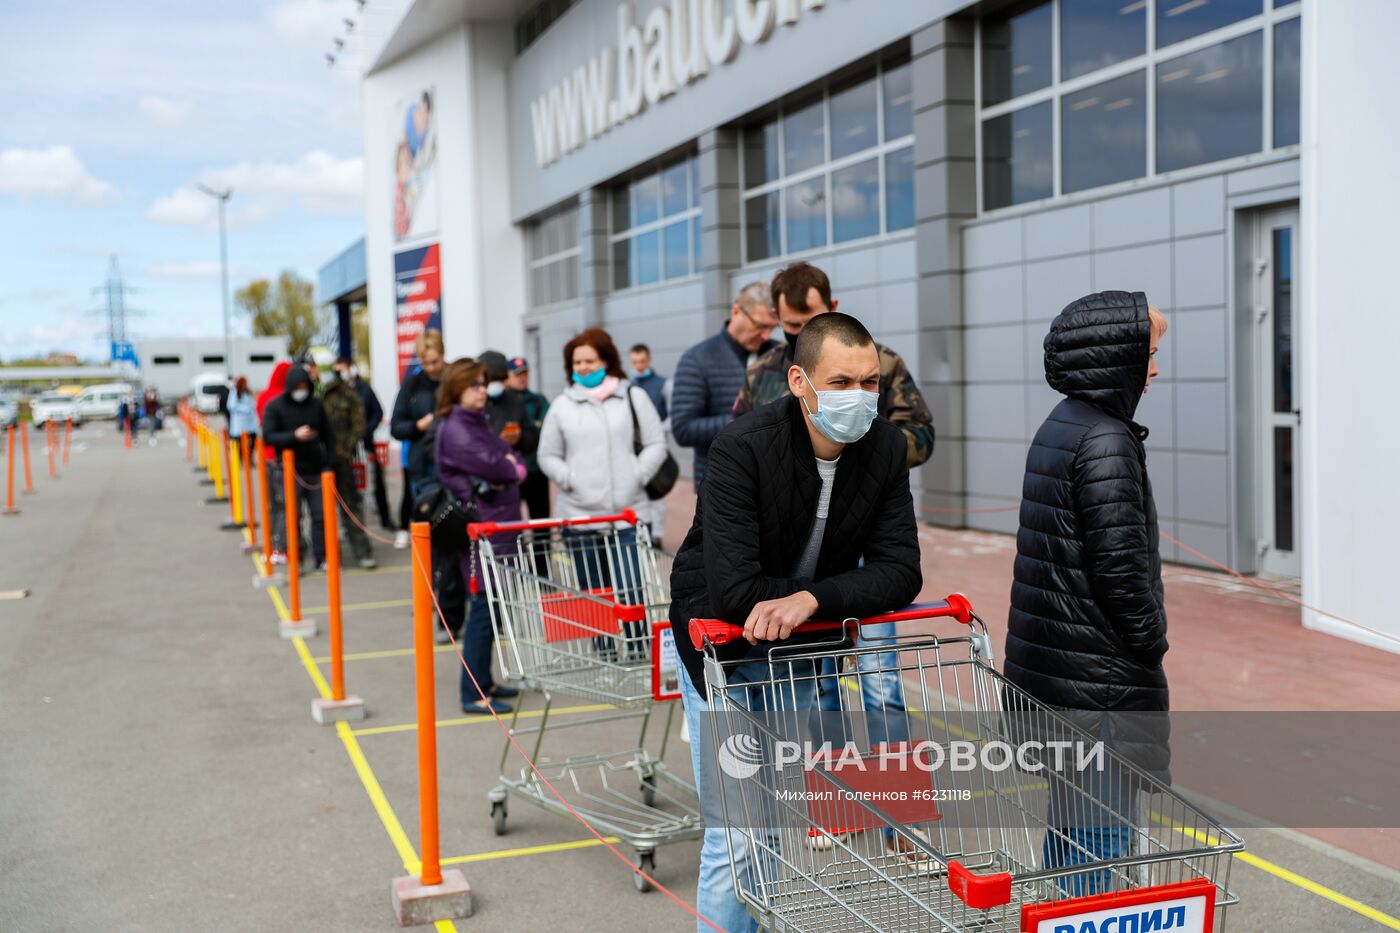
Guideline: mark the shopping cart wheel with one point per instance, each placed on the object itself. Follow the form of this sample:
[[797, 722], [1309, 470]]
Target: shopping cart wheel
[[498, 816], [646, 861], [649, 790]]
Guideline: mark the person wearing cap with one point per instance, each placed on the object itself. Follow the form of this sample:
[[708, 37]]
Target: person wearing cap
[[506, 410], [535, 490]]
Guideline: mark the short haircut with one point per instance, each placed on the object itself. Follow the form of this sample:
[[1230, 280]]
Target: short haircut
[[344, 361], [429, 340], [459, 376], [793, 283], [640, 348], [755, 295], [837, 326], [1157, 321], [602, 343]]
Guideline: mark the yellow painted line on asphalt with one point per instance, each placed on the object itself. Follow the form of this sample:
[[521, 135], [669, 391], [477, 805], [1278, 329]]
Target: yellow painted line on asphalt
[[1292, 877], [530, 850], [391, 653], [282, 612], [312, 670], [358, 607], [472, 720]]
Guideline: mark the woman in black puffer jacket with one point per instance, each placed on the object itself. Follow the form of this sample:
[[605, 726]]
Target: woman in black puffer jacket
[[1088, 626]]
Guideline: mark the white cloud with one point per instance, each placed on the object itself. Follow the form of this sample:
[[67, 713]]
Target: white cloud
[[309, 22], [318, 180], [53, 172], [197, 269], [163, 111]]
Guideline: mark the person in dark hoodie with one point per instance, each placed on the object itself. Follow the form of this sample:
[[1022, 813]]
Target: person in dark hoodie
[[296, 421], [414, 411], [1088, 625]]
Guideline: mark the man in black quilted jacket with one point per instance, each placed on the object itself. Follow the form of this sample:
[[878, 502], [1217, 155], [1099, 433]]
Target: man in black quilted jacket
[[795, 494], [1088, 626]]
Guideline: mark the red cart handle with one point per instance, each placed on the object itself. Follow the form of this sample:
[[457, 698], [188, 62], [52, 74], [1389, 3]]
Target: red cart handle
[[477, 529], [980, 891], [718, 632]]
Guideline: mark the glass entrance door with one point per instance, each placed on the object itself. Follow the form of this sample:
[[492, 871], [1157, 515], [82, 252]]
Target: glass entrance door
[[1277, 412]]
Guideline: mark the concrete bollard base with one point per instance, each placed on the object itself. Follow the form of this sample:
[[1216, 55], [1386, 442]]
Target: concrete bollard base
[[251, 548], [263, 582], [231, 526], [327, 712], [415, 903], [306, 628]]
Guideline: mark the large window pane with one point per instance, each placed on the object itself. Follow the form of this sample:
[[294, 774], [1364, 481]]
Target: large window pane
[[621, 209], [899, 190], [694, 164], [695, 243], [675, 189], [622, 264], [1098, 33], [568, 227], [805, 204], [804, 138], [761, 227], [551, 236], [537, 285], [855, 114], [899, 102], [646, 200], [1103, 133], [1182, 19], [676, 249], [1210, 104], [855, 201], [1016, 53], [761, 154], [536, 240], [646, 255], [1016, 157], [1287, 60], [571, 278]]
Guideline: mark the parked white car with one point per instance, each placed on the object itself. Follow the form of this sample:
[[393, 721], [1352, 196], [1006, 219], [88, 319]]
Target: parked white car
[[54, 406], [9, 412], [208, 389], [100, 403]]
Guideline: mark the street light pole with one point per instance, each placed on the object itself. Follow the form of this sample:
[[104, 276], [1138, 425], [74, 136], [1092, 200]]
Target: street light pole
[[222, 197]]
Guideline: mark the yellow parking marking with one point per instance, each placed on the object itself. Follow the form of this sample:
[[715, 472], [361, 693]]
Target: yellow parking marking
[[392, 653], [470, 720], [357, 607], [530, 850], [1292, 877]]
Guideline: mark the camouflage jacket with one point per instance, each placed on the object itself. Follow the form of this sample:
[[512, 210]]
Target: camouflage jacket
[[900, 398], [346, 414]]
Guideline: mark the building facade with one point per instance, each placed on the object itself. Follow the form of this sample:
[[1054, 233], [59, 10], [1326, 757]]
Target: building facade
[[962, 171]]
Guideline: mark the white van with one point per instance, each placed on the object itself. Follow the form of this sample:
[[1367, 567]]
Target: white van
[[100, 403], [207, 389]]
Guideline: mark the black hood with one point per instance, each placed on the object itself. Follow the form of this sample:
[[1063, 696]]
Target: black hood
[[297, 376], [1097, 351], [497, 367]]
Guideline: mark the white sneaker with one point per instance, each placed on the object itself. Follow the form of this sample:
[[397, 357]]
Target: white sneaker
[[821, 841], [915, 859], [400, 540], [367, 563]]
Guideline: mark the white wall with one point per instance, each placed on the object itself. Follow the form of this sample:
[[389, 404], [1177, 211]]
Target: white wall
[[1349, 325], [483, 287]]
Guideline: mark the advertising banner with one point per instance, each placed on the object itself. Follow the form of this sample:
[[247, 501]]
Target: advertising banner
[[417, 298]]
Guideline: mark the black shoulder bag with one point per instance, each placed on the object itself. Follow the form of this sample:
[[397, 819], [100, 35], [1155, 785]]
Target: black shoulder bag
[[666, 475]]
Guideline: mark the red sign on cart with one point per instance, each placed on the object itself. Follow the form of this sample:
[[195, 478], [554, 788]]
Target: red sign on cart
[[1188, 907]]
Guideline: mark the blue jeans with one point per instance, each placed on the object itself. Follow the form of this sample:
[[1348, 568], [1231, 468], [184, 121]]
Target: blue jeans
[[603, 561], [715, 897], [882, 694], [1090, 817], [478, 640]]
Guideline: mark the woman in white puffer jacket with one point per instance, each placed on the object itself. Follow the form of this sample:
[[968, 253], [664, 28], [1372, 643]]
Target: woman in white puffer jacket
[[586, 449]]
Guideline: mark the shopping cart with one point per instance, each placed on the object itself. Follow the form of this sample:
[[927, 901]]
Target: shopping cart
[[851, 835], [580, 609]]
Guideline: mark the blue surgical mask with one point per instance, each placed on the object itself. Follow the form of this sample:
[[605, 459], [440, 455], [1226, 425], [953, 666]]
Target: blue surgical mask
[[642, 373], [843, 415], [591, 381]]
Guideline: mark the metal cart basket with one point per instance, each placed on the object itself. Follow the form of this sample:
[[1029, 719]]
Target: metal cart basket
[[580, 608], [887, 836]]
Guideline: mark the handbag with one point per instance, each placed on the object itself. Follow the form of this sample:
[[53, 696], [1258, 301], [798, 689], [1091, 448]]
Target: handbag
[[664, 480], [446, 515]]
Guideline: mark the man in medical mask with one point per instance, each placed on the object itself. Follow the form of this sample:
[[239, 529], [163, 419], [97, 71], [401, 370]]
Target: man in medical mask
[[296, 421], [806, 512], [506, 410]]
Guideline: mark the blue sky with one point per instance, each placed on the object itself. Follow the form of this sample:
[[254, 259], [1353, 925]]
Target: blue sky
[[113, 112]]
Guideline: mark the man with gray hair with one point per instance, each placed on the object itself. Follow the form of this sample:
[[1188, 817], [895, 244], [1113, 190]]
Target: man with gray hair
[[711, 373]]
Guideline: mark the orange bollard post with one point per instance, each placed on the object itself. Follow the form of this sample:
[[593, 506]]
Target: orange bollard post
[[295, 625], [24, 446], [249, 512], [67, 439], [52, 447], [126, 433], [266, 572], [189, 434], [338, 707], [434, 894], [10, 471]]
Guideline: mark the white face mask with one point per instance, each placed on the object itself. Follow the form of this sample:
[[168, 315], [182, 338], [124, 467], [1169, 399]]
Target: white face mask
[[300, 395], [495, 389]]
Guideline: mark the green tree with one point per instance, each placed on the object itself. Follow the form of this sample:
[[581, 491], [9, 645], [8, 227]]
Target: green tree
[[284, 308]]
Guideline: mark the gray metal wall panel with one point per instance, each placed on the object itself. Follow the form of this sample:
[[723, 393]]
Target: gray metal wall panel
[[1199, 265], [1141, 217]]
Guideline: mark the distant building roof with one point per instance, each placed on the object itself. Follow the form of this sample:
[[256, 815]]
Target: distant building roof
[[344, 276]]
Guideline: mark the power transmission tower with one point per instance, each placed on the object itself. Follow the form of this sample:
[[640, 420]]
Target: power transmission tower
[[115, 292]]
